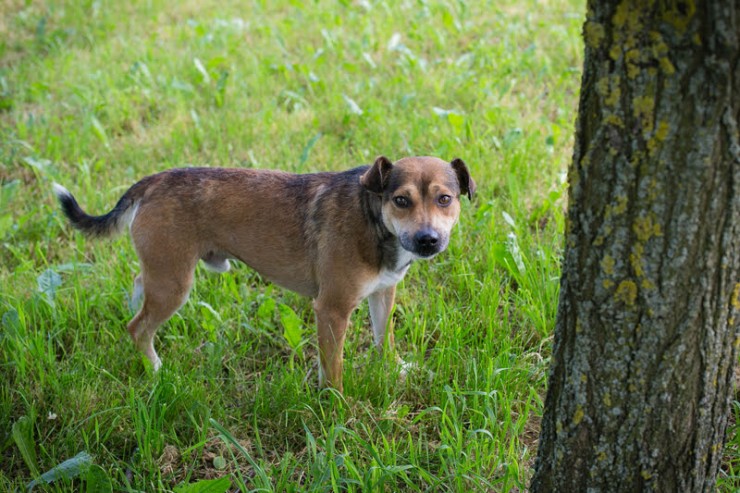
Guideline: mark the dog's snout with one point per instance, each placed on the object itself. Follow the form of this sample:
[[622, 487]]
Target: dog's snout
[[427, 242], [426, 238]]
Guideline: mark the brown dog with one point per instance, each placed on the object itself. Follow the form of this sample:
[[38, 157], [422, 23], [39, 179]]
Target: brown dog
[[336, 237]]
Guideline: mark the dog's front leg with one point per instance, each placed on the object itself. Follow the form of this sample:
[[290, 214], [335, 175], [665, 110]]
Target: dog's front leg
[[331, 320], [381, 305]]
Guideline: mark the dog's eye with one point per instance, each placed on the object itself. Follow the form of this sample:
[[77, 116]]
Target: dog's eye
[[444, 200], [401, 201]]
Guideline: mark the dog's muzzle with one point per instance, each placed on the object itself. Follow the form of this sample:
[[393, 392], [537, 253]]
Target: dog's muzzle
[[426, 242]]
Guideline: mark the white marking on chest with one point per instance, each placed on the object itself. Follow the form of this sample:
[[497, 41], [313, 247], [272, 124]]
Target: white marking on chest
[[390, 277]]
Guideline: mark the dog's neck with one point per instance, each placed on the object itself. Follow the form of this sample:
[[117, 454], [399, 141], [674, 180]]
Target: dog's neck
[[390, 252], [404, 258]]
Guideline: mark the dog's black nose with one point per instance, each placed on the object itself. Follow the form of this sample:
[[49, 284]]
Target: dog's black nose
[[426, 239]]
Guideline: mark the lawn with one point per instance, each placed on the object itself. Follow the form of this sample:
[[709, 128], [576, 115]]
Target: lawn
[[95, 95]]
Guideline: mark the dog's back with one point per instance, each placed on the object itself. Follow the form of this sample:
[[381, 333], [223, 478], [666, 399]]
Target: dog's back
[[273, 221]]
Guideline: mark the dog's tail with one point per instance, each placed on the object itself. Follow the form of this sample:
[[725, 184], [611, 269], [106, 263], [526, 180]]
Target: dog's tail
[[98, 226]]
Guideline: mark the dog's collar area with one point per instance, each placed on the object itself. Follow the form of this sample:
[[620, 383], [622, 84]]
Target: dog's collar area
[[372, 208], [403, 259]]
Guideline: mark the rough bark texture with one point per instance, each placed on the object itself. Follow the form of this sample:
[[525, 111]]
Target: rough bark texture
[[647, 328]]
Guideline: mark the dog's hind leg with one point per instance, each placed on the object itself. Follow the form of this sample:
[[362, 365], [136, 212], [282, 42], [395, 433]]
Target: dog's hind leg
[[136, 295], [164, 294]]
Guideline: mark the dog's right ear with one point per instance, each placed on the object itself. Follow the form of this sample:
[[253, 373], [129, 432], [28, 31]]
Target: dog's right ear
[[376, 178], [467, 184]]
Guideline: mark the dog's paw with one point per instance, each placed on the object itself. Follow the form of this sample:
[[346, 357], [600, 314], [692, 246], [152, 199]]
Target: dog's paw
[[151, 365], [405, 368]]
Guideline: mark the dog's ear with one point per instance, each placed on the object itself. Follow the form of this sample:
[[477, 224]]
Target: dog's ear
[[467, 184], [376, 178]]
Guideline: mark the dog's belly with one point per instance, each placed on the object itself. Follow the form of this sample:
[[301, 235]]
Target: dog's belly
[[305, 287], [295, 276], [271, 244]]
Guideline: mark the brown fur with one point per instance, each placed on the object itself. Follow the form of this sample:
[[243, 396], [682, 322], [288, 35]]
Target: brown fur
[[336, 237]]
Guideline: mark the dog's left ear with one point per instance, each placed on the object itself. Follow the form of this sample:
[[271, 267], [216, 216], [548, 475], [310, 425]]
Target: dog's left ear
[[467, 184], [376, 178]]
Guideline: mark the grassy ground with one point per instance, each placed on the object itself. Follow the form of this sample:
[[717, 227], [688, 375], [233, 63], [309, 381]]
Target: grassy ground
[[95, 95]]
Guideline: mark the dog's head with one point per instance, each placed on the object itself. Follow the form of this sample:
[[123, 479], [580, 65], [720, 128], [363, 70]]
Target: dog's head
[[421, 199]]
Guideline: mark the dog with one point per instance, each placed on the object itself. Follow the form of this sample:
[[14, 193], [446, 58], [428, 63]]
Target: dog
[[337, 237]]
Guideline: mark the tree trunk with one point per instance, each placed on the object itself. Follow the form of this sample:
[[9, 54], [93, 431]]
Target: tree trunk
[[649, 313]]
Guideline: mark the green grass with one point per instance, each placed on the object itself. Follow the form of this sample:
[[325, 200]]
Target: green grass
[[95, 95]]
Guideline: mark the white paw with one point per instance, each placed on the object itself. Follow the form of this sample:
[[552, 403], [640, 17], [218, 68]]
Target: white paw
[[406, 367]]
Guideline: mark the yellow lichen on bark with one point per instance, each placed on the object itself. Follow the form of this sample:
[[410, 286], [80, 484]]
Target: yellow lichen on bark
[[642, 108], [632, 59], [736, 296], [662, 129], [594, 34], [645, 227], [612, 119], [608, 88], [678, 13], [647, 284], [666, 66], [627, 22], [636, 260], [607, 265], [629, 14], [618, 208], [660, 53], [578, 415], [626, 292]]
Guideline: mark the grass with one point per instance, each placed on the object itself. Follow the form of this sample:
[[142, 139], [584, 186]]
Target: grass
[[95, 95]]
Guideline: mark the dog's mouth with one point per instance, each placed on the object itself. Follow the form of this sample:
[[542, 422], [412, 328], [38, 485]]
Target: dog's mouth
[[426, 254]]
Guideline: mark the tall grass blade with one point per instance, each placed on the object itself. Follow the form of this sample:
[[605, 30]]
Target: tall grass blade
[[22, 433], [229, 438], [220, 485], [97, 480], [292, 327]]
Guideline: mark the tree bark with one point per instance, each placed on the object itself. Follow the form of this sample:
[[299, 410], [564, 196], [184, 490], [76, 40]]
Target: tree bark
[[648, 319]]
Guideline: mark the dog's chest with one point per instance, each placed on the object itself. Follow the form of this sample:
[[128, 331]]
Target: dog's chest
[[388, 277]]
